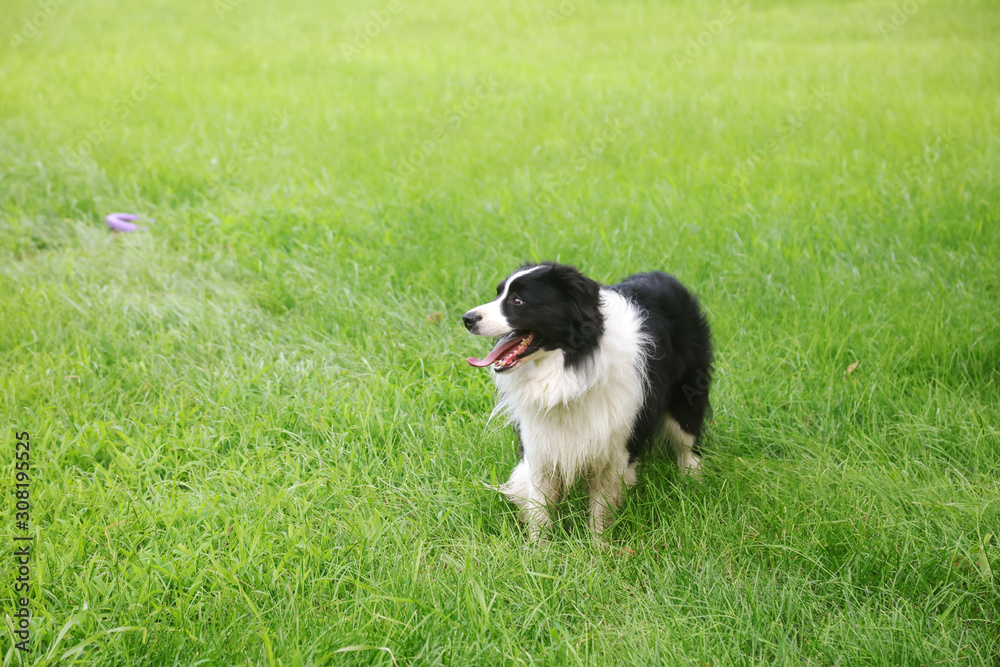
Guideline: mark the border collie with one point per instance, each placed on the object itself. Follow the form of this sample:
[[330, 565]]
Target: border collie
[[589, 375]]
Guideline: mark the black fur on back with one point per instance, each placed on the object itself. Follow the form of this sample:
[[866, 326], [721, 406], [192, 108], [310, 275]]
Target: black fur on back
[[679, 368]]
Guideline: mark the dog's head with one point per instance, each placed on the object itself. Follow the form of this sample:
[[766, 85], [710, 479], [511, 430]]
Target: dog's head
[[544, 306]]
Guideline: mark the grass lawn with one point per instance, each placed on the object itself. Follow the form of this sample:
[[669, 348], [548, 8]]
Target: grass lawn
[[253, 435]]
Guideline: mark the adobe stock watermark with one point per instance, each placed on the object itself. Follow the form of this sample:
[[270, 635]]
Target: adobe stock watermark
[[223, 7], [33, 23], [119, 110], [702, 382], [250, 148], [449, 122], [371, 29], [912, 170], [23, 540], [794, 120], [715, 29], [582, 159], [901, 13], [564, 11]]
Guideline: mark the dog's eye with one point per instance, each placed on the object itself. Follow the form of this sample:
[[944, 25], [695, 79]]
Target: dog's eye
[[517, 301]]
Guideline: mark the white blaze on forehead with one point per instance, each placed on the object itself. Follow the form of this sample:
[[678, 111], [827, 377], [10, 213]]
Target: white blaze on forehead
[[514, 276]]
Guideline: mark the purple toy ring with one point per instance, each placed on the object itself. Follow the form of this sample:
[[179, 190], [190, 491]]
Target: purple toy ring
[[122, 222]]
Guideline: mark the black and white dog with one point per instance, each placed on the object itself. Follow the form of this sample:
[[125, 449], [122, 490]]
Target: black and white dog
[[589, 375]]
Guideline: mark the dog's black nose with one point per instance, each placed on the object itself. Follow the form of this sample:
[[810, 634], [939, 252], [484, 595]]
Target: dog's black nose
[[470, 318]]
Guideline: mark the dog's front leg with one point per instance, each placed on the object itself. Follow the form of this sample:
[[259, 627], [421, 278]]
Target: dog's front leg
[[536, 513], [532, 491], [607, 489]]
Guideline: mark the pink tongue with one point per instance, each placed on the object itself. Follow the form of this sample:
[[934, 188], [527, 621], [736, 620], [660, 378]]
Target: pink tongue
[[501, 349]]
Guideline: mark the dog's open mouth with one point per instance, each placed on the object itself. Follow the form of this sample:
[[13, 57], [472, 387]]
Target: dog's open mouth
[[507, 352]]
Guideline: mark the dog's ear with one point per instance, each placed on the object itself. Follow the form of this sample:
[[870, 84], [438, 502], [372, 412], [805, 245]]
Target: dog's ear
[[575, 284], [584, 297]]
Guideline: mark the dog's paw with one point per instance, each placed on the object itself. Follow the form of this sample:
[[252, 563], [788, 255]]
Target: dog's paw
[[690, 466]]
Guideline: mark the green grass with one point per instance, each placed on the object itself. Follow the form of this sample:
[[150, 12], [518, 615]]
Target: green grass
[[255, 441]]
